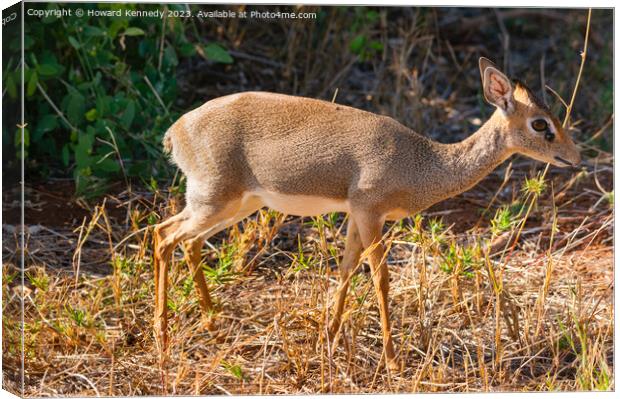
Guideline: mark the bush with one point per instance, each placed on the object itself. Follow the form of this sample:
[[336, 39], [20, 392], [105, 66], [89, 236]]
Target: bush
[[100, 92]]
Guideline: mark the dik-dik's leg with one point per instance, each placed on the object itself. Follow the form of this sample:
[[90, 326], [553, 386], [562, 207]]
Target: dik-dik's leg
[[192, 255], [352, 250], [162, 230], [195, 225], [370, 227], [186, 225], [194, 246]]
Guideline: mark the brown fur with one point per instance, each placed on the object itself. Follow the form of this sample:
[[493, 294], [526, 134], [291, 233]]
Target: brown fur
[[307, 149]]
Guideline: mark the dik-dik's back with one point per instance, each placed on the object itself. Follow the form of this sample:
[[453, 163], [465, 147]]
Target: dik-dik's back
[[290, 145]]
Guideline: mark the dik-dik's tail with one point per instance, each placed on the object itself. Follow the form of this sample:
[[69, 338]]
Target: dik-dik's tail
[[167, 142]]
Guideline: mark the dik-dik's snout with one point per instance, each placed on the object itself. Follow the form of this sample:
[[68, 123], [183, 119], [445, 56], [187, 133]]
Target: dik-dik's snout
[[566, 163], [569, 158]]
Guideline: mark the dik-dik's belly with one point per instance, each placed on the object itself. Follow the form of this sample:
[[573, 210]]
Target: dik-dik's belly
[[300, 205], [307, 205]]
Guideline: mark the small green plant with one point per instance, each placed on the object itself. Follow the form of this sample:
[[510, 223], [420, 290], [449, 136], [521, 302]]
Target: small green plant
[[610, 198], [152, 185], [601, 378], [357, 282], [222, 273], [363, 44], [550, 382], [461, 260], [125, 266], [469, 261], [328, 221], [534, 185], [301, 261], [79, 316], [172, 305], [502, 221], [416, 232], [152, 219], [436, 229], [592, 370], [187, 287], [8, 277], [235, 370], [450, 260], [39, 279]]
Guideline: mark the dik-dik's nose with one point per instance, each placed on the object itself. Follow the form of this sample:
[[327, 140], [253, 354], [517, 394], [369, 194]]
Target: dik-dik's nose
[[573, 159], [576, 156]]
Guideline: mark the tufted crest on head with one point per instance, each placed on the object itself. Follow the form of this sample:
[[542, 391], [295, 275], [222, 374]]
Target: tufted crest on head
[[524, 94]]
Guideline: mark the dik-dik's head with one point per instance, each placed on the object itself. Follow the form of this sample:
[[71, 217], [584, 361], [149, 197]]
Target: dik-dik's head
[[531, 129]]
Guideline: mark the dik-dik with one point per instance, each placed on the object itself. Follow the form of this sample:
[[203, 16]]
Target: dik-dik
[[308, 157]]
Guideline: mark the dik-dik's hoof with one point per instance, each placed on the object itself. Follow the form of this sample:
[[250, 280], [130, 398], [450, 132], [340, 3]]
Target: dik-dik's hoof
[[210, 323], [393, 365], [215, 327], [333, 332]]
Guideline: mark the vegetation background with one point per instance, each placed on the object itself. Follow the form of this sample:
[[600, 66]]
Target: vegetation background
[[507, 289]]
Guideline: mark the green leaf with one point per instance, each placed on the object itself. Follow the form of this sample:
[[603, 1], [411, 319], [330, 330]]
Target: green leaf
[[28, 42], [215, 52], [372, 15], [153, 184], [46, 123], [120, 68], [128, 115], [18, 138], [48, 70], [75, 107], [357, 45], [11, 87], [65, 155], [73, 41], [116, 26], [88, 137], [90, 30], [146, 47], [133, 31], [107, 165], [376, 45], [84, 148], [97, 78], [187, 49], [84, 86], [103, 105], [82, 157], [91, 115], [32, 83], [171, 57]]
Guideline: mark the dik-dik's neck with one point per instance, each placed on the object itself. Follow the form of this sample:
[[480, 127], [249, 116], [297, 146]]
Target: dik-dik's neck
[[466, 163]]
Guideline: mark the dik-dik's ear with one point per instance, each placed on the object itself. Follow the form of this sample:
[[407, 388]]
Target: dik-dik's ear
[[496, 87]]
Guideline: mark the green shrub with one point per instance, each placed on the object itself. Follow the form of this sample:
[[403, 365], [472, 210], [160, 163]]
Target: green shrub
[[100, 92]]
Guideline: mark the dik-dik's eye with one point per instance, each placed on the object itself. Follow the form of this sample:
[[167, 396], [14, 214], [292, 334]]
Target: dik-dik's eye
[[540, 125]]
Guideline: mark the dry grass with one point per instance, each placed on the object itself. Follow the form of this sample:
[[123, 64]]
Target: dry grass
[[538, 316], [508, 287]]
